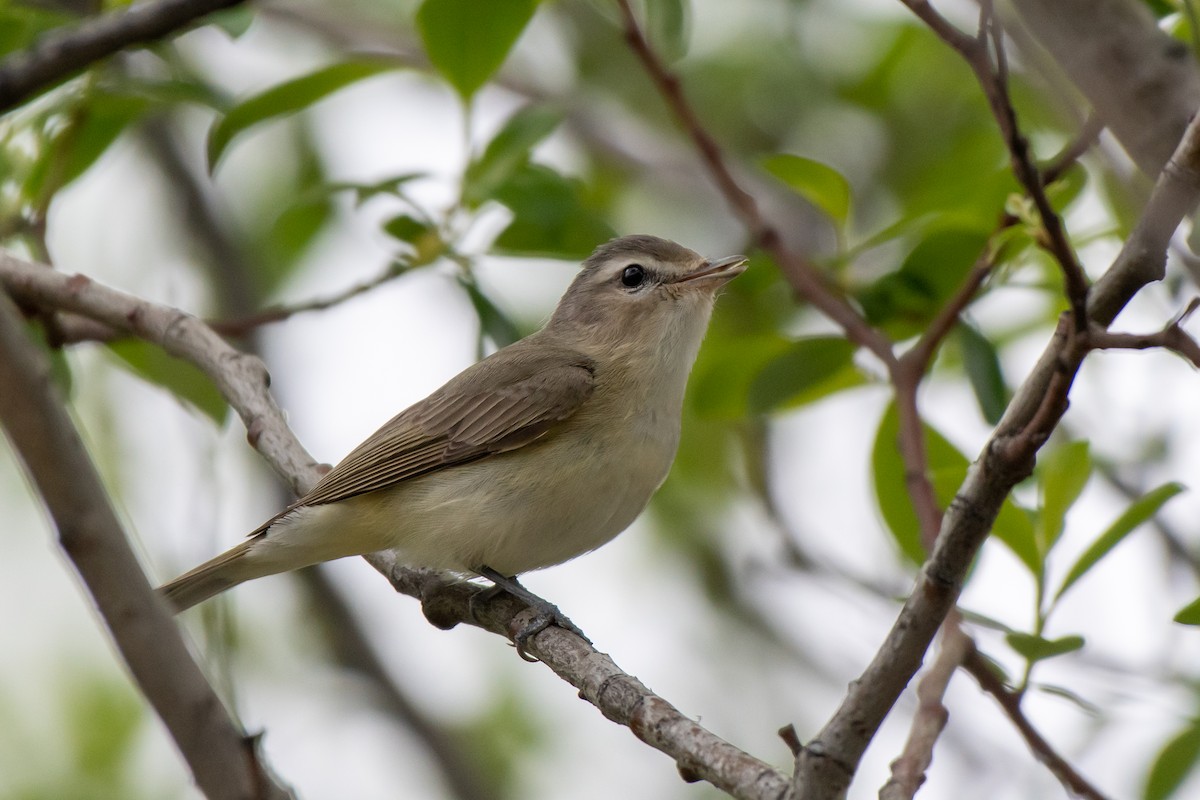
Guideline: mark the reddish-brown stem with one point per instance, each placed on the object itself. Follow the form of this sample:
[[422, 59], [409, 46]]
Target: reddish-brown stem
[[1010, 703]]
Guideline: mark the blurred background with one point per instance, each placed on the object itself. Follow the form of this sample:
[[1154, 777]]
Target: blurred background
[[287, 153]]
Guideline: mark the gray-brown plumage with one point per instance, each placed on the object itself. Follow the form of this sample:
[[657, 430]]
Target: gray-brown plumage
[[544, 450]]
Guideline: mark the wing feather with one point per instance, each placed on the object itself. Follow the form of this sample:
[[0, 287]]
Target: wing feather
[[516, 396]]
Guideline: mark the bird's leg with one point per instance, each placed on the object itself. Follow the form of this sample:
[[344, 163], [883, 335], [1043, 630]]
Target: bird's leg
[[547, 613]]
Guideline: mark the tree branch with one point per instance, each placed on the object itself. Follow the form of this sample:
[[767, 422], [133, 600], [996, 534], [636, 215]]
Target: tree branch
[[242, 380], [1010, 702], [908, 771], [825, 768], [63, 52], [223, 760]]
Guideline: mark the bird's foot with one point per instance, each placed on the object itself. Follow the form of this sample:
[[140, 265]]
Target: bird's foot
[[545, 612]]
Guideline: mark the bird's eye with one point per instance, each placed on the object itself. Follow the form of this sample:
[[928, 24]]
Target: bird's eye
[[633, 276]]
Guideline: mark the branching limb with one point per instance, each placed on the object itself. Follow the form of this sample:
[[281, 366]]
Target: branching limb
[[223, 760], [978, 52], [242, 381], [61, 53], [826, 766]]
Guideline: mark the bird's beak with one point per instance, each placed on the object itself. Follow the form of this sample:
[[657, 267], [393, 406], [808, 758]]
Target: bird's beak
[[720, 271]]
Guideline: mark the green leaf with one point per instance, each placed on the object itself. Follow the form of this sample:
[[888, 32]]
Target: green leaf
[[288, 98], [891, 489], [1189, 614], [1139, 511], [667, 25], [1036, 648], [177, 376], [819, 184], [1175, 762], [1014, 528], [507, 152], [492, 321], [420, 235], [549, 218], [467, 40], [1062, 475], [983, 371], [290, 236], [803, 373], [905, 301], [720, 384]]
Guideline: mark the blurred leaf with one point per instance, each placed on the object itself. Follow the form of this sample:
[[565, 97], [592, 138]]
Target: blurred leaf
[[1067, 188], [1014, 528], [549, 218], [1062, 474], [720, 384], [467, 40], [947, 469], [185, 381], [808, 370], [388, 186], [1036, 648], [22, 24], [1070, 696], [405, 228], [104, 719], [905, 301], [290, 236], [234, 21], [1175, 762], [93, 124], [667, 25], [421, 236], [493, 322], [507, 152], [982, 364], [288, 98], [891, 489], [1189, 614], [819, 184], [1135, 514]]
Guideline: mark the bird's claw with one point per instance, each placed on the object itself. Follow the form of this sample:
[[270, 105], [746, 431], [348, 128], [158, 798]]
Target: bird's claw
[[545, 613]]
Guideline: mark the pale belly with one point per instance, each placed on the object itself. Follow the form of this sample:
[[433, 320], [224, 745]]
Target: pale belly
[[508, 512]]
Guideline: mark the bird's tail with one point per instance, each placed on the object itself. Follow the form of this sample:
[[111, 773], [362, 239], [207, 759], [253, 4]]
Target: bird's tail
[[211, 578]]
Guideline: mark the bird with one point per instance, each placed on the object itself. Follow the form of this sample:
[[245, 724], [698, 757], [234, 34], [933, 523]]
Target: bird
[[544, 450]]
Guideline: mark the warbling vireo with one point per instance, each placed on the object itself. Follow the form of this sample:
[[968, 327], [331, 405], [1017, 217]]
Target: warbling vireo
[[543, 451]]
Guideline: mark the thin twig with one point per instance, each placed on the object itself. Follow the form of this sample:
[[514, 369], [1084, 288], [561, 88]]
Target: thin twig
[[279, 313], [63, 52], [993, 79], [223, 760], [1085, 140], [1010, 703]]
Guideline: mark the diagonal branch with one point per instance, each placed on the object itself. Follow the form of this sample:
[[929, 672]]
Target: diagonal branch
[[826, 767], [223, 760], [1010, 702], [61, 53], [242, 381]]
